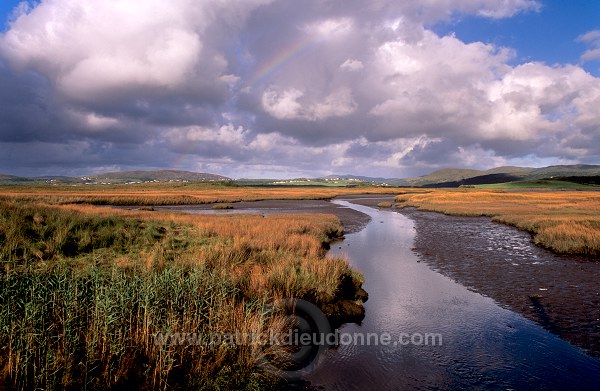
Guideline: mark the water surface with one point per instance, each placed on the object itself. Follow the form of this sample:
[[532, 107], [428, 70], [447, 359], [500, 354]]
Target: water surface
[[484, 346]]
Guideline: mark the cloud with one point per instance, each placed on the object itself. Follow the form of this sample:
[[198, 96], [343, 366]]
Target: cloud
[[435, 10], [267, 88], [352, 65], [285, 105], [506, 8], [91, 50], [190, 138], [591, 38], [329, 28]]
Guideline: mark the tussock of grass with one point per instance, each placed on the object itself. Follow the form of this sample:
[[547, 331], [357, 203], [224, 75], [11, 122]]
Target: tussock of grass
[[565, 222], [222, 206], [83, 290], [385, 204]]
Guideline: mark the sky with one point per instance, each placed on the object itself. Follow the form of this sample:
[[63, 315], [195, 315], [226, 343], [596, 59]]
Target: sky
[[285, 89]]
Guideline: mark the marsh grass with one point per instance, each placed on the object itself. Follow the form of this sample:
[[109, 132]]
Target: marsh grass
[[222, 206], [565, 221], [84, 290], [170, 194]]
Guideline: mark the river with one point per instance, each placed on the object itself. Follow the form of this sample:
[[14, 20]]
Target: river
[[483, 346]]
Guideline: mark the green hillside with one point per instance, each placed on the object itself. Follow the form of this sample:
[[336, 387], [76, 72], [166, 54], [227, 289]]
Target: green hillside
[[454, 177], [155, 176]]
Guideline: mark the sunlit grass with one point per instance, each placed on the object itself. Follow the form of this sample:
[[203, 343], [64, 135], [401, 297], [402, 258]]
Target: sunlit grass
[[165, 194], [83, 289]]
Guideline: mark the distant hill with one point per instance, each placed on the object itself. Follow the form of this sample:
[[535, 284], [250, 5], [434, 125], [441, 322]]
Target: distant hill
[[478, 180], [444, 175], [564, 171], [512, 170], [328, 181], [582, 180], [116, 178], [359, 177], [155, 176], [369, 179], [453, 177], [447, 177], [12, 180]]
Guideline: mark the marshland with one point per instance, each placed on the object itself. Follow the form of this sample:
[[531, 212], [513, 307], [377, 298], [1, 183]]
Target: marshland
[[87, 285], [85, 289], [190, 189]]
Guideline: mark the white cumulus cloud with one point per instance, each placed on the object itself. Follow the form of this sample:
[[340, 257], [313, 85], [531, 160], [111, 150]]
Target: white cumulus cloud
[[99, 47]]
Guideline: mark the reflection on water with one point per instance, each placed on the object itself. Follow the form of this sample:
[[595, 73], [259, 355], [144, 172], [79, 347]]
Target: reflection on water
[[484, 345], [256, 207]]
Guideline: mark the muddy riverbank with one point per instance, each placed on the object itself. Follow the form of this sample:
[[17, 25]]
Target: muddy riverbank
[[561, 293]]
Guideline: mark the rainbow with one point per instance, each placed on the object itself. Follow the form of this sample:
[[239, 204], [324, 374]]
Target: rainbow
[[176, 164], [281, 58], [269, 67]]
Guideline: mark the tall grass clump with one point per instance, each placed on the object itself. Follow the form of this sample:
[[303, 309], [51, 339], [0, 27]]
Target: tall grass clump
[[87, 293]]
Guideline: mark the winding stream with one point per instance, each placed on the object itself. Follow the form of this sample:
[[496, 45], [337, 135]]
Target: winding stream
[[483, 345]]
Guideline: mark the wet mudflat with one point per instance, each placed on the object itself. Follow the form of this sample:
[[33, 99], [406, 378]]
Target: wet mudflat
[[561, 293]]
